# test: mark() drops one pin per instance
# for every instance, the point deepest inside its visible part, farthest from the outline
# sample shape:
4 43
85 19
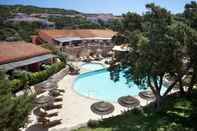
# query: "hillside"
12 9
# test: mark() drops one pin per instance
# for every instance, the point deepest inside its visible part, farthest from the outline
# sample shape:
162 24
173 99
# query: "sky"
117 7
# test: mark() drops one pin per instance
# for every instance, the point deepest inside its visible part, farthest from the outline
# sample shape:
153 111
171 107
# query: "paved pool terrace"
75 111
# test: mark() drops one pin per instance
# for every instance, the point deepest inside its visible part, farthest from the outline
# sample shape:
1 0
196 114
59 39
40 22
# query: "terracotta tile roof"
83 33
16 51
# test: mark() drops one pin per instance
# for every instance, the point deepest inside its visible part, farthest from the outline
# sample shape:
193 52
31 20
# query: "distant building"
21 55
22 17
96 17
74 42
46 15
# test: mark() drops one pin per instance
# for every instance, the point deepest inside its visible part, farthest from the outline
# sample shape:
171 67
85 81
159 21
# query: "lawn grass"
177 114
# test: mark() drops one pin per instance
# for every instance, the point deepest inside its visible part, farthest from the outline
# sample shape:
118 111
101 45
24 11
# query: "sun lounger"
52 106
86 59
100 56
91 58
36 90
58 99
61 90
81 58
96 58
57 103
51 111
40 112
49 122
55 93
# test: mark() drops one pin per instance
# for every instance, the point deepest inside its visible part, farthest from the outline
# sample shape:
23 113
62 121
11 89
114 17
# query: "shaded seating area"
46 111
48 102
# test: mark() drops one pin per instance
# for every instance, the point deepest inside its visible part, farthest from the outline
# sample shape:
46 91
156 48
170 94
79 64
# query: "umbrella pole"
102 117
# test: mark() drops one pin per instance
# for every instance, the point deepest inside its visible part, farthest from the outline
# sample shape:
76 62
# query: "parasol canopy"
128 101
44 100
147 95
102 108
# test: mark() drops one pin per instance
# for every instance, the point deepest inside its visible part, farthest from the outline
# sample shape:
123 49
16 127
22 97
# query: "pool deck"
76 108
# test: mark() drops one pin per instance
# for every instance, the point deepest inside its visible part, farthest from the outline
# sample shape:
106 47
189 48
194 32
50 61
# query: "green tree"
190 13
115 25
191 47
14 110
154 52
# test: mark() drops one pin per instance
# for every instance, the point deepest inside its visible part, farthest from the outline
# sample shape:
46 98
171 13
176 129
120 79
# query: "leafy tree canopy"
14 110
158 44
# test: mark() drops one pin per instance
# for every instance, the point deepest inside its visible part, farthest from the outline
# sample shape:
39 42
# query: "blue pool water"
97 84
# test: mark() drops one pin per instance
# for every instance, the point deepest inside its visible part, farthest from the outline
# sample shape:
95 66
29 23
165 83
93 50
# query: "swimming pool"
98 85
92 66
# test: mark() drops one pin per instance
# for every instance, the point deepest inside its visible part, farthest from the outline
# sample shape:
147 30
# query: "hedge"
36 77
16 84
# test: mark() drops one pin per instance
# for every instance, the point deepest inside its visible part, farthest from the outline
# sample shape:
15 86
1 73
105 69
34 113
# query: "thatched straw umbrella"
44 100
128 101
147 95
102 108
48 85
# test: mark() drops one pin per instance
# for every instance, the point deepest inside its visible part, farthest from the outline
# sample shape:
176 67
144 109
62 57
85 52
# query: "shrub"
43 75
36 77
16 85
93 123
13 110
137 111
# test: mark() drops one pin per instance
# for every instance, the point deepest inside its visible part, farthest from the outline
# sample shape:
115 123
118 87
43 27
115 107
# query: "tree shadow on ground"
36 127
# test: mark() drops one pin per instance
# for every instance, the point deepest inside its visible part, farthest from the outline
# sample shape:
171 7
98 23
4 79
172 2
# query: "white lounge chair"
91 58
100 56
